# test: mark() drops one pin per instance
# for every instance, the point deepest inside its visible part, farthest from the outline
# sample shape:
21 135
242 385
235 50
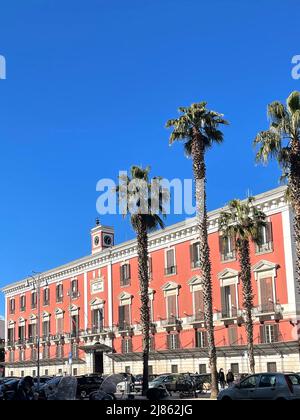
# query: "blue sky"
89 88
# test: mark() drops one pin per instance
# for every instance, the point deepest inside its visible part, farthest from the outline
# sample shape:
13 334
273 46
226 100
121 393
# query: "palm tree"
282 142
144 203
243 223
198 128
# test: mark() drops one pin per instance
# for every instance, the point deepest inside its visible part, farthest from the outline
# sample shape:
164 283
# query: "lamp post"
36 282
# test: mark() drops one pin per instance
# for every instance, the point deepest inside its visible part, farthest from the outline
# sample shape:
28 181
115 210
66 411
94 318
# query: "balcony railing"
228 256
171 322
195 264
59 299
93 331
229 313
268 308
124 326
198 317
262 248
46 302
171 270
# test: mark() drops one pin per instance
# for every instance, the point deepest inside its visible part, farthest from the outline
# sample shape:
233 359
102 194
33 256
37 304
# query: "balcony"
195 264
59 299
171 271
197 319
232 316
228 256
46 303
46 338
264 248
172 324
75 295
268 312
124 328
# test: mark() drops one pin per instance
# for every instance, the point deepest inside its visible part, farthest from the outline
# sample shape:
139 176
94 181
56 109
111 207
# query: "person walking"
230 378
221 378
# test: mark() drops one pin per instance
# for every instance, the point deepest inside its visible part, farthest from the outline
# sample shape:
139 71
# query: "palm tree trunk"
294 191
199 170
245 276
142 244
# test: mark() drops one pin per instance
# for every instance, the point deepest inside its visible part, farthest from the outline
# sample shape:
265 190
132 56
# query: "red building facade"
90 308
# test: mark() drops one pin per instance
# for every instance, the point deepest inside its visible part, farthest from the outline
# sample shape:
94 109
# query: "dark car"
87 384
8 388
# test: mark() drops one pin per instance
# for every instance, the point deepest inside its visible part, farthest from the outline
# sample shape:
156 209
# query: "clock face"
107 240
96 240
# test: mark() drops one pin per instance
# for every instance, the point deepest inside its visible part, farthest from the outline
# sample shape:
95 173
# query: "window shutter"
262 334
232 335
192 256
269 232
121 275
223 302
170 258
199 304
128 272
222 245
266 294
172 307
233 300
123 346
169 341
276 333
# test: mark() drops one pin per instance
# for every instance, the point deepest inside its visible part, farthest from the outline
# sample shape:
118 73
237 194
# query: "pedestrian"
25 389
229 378
221 378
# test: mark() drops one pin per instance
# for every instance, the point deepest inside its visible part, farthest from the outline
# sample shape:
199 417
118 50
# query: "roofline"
106 254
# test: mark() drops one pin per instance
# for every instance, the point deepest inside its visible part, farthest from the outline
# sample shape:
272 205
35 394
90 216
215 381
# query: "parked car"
87 384
264 386
168 381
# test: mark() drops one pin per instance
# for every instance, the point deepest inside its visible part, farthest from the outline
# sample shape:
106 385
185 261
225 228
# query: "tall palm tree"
144 203
198 127
243 223
282 142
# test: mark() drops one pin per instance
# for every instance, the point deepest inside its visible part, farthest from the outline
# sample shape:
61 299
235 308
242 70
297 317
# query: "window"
22 374
60 351
12 306
198 305
227 248
59 293
75 325
201 339
21 333
33 354
31 332
174 368
170 262
45 353
97 320
46 296
23 303
265 239
74 289
46 372
22 356
11 336
250 382
202 369
45 329
60 325
11 356
124 317
150 370
272 367
33 300
125 274
229 301
75 351
127 369
34 373
60 371
266 295
172 314
152 343
75 372
126 345
173 341
267 381
233 335
195 255
269 333
235 369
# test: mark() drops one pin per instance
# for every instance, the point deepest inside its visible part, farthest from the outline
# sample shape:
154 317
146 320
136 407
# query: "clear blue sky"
89 87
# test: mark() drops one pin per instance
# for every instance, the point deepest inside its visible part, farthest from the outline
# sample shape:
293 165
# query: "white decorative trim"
262 270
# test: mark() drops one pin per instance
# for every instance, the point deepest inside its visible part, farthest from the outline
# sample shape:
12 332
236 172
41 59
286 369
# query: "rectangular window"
269 333
126 345
173 341
59 326
59 293
11 336
266 295
60 351
227 248
23 303
46 372
174 368
97 320
172 309
265 239
198 305
170 261
235 368
150 370
45 353
124 317
75 372
271 367
202 369
21 333
201 339
127 369
33 300
195 255
31 332
125 274
74 289
229 303
45 329
33 354
12 306
75 325
11 356
22 374
46 296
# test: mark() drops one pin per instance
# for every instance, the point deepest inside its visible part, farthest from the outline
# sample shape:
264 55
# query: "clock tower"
102 237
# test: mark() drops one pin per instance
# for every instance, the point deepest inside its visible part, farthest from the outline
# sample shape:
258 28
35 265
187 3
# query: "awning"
97 347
